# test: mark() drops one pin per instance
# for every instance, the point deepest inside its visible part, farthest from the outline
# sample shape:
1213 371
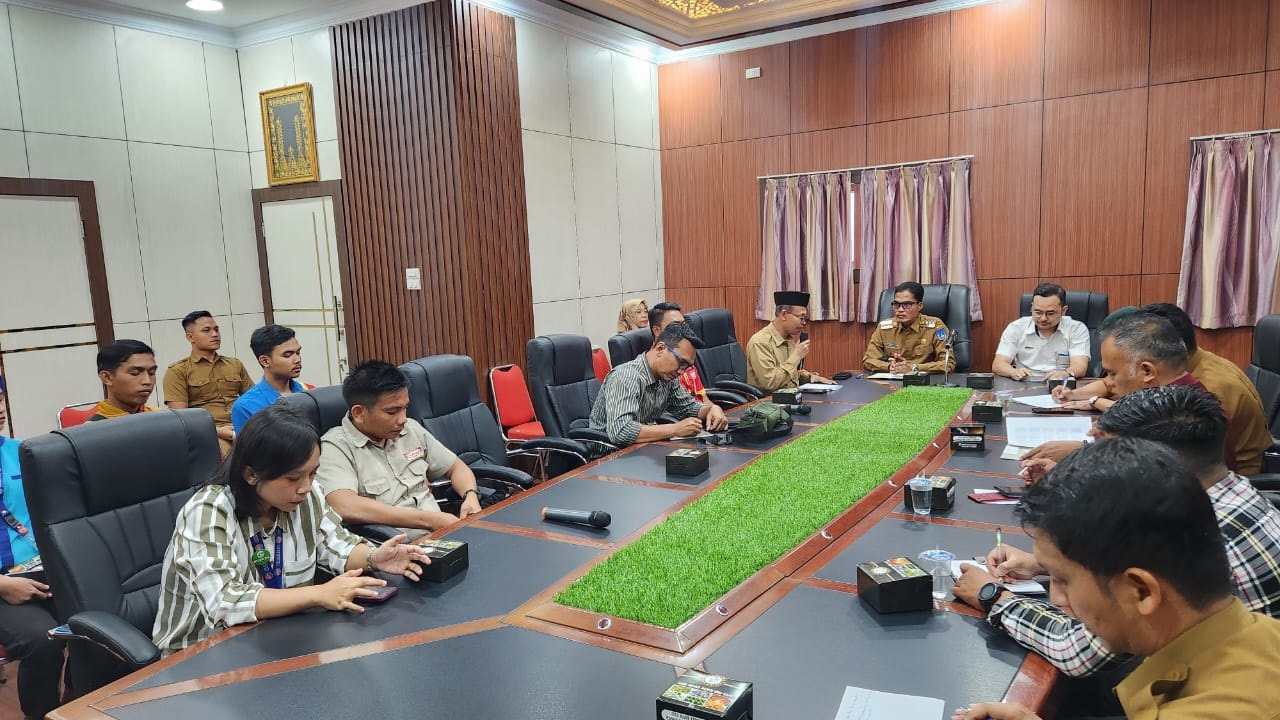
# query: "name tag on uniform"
886 324
930 323
891 345
413 454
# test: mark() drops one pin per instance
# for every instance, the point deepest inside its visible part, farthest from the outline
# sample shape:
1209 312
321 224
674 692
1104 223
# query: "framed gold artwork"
288 133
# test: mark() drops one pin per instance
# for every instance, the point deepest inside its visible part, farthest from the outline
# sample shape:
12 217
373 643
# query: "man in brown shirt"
206 379
127 369
910 341
776 353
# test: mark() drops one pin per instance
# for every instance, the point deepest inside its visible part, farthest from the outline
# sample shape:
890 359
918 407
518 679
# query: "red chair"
77 414
600 363
513 405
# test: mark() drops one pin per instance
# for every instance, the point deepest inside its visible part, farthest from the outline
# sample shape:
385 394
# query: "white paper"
1013 452
885 376
819 388
1030 431
1040 401
863 704
1021 587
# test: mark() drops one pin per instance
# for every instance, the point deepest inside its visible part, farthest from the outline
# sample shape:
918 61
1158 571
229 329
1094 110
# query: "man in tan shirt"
206 379
775 354
376 467
909 341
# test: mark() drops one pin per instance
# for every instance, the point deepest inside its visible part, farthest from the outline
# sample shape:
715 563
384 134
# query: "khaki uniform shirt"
1240 401
214 386
918 343
769 366
397 473
1228 666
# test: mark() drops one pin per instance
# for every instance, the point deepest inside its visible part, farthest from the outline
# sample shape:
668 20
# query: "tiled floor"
9 709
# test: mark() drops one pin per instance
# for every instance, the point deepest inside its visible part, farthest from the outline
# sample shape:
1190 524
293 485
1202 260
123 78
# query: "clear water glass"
938 564
921 489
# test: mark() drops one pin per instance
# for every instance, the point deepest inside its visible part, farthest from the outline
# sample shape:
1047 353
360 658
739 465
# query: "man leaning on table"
1031 346
775 354
910 341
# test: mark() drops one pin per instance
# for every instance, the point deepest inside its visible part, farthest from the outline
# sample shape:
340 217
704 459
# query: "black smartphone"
1052 411
383 593
1011 491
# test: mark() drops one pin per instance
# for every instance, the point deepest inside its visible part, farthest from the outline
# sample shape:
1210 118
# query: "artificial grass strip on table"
759 513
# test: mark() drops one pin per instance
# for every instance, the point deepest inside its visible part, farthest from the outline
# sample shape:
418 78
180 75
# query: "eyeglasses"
903 304
684 364
804 319
1047 314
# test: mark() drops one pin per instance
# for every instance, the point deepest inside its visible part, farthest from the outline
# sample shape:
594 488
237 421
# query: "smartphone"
1011 491
384 592
1053 411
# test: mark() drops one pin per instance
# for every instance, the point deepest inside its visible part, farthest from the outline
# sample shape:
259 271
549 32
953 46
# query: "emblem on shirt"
886 324
413 454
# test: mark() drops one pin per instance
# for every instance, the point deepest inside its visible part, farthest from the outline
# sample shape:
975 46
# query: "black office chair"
564 388
1264 372
721 360
627 346
1088 307
104 498
951 304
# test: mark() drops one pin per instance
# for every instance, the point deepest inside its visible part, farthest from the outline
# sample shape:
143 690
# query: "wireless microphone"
800 409
594 518
803 336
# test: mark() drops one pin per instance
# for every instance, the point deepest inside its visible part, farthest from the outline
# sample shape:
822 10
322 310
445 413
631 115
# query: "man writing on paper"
909 341
1033 345
775 354
1134 551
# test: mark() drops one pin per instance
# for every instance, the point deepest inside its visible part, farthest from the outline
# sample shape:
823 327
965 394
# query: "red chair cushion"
511 397
527 431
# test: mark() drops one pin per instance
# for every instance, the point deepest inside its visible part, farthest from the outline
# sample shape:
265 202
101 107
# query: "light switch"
753 73
413 278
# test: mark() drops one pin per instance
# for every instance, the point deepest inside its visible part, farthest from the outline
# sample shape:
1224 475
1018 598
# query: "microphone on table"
800 409
594 518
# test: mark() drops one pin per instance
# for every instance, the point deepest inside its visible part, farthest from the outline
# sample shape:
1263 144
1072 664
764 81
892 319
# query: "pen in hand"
999 553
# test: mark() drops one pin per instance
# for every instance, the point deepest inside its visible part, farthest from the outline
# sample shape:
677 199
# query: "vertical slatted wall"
432 168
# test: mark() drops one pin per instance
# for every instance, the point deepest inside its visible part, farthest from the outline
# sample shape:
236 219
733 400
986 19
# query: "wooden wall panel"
696 298
835 346
1191 39
689 102
830 149
907 68
1271 104
1178 112
741 163
692 217
1234 344
1273 36
901 141
1121 290
1159 288
741 301
1095 45
1004 182
427 98
997 54
1091 221
829 81
756 107
999 308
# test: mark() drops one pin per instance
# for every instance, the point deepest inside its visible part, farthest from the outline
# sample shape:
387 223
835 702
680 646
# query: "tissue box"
448 558
919 378
707 697
895 585
981 381
688 461
988 411
944 494
790 396
968 436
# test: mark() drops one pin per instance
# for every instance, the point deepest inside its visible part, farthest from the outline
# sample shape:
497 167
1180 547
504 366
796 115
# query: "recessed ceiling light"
204 5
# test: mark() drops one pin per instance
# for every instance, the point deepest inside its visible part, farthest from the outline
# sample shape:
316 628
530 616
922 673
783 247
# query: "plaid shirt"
632 396
1251 531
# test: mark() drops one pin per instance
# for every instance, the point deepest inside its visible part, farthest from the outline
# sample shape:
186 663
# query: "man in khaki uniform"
376 467
775 354
910 341
206 379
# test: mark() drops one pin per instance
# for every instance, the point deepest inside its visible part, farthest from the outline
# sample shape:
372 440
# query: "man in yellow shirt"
206 379
127 369
775 354
1133 550
909 341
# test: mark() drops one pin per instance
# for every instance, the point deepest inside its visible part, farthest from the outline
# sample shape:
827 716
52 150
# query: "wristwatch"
472 490
988 595
1092 402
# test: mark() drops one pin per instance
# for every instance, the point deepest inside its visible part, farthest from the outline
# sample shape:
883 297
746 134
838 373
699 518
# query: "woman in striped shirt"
246 546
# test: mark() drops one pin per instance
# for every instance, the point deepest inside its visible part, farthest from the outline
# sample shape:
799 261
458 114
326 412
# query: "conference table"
479 645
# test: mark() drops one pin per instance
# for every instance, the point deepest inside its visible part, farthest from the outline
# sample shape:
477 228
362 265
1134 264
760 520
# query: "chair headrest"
559 359
1266 344
627 346
1086 306
324 406
714 326
441 384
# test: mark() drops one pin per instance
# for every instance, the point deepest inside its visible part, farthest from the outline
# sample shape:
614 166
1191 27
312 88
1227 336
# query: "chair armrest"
553 444
1266 481
727 398
740 387
1271 458
589 435
115 635
377 533
519 478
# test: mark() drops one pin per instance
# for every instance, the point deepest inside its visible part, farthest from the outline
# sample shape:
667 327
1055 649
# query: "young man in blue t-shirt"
280 356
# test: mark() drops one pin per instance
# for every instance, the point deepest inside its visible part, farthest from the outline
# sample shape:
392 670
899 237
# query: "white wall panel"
244 279
542 64
166 95
140 331
239 328
638 218
10 112
590 91
40 383
258 168
326 155
600 318
226 102
262 67
595 191
36 230
313 63
633 101
562 316
549 193
13 152
67 74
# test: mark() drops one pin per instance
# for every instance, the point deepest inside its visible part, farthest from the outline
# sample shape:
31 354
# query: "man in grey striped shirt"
637 393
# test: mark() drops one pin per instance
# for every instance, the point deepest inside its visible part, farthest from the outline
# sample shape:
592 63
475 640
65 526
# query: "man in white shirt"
1030 346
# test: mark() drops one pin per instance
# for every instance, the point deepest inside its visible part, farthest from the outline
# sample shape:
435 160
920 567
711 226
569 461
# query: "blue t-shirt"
14 548
258 397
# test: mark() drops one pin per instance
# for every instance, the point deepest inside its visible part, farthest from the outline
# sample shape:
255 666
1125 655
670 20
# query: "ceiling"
659 30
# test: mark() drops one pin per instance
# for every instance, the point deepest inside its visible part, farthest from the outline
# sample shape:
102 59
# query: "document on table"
1021 587
1040 401
1013 452
1034 430
819 388
885 376
863 704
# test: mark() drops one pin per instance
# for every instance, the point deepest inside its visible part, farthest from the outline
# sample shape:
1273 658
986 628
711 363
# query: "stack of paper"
1021 587
1030 431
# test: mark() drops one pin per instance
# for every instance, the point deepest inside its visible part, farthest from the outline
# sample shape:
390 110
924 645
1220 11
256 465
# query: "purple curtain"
805 244
1230 242
916 226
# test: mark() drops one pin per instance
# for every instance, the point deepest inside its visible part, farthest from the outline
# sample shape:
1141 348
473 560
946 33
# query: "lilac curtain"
1232 237
916 226
806 244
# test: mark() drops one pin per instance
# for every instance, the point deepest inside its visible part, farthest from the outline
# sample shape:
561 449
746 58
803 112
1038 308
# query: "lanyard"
270 567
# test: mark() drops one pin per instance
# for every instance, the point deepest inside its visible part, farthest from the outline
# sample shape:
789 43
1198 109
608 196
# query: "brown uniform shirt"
769 364
1240 401
214 386
918 343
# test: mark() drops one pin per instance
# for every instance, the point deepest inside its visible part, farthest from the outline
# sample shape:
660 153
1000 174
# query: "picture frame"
288 135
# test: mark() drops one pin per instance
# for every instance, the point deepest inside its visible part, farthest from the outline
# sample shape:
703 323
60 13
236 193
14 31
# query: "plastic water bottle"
1062 361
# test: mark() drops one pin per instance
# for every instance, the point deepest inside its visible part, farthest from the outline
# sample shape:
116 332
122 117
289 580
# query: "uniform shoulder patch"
886 324
931 324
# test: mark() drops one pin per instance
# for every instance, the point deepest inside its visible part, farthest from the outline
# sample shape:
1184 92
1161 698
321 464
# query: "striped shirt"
209 582
1250 527
632 397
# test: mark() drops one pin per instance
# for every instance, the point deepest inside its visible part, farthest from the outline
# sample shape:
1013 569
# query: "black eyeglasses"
804 319
903 304
684 364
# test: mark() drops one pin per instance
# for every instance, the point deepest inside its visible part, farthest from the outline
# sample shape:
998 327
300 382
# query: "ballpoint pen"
999 547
